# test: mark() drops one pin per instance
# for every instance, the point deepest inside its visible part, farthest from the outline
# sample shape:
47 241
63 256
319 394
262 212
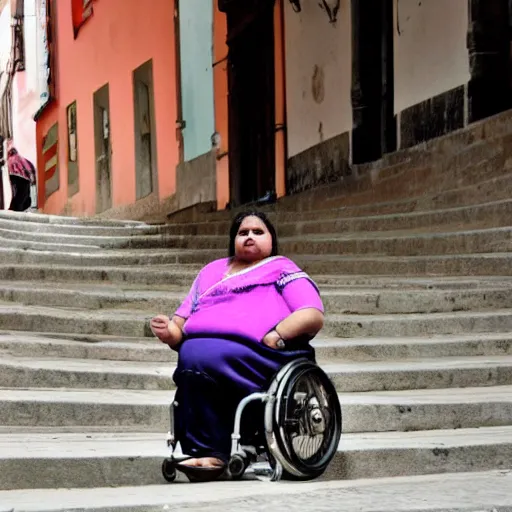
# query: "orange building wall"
119 37
220 84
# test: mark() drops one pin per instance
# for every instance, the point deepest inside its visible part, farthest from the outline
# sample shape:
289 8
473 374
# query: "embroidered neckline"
239 273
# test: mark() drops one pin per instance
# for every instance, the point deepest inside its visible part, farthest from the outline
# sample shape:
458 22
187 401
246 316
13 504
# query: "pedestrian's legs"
20 194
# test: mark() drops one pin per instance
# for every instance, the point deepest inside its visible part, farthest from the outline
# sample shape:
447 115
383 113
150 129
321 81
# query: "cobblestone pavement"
469 492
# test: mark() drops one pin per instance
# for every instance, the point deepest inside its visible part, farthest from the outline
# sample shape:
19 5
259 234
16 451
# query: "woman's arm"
306 316
307 321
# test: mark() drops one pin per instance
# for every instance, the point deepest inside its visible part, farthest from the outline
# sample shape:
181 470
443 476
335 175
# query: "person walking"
22 174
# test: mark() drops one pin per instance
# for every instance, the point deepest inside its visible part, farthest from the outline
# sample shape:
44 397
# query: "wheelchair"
302 424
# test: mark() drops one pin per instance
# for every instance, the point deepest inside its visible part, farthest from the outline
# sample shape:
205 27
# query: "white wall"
430 49
25 101
318 74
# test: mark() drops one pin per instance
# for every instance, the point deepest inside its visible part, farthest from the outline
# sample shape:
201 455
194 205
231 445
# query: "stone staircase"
418 337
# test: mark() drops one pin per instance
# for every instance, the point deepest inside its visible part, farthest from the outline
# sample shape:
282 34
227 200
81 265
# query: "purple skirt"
213 375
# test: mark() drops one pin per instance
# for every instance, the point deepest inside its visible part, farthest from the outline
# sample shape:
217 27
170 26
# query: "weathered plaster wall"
318 94
431 56
318 75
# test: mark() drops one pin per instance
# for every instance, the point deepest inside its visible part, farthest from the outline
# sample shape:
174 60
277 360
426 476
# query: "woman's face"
253 241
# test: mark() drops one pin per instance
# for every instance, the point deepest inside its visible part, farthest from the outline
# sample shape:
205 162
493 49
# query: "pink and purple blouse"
249 303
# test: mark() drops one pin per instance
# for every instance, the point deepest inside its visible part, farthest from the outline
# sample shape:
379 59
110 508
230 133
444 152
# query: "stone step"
86 296
96 240
135 323
24 372
491 214
121 348
483 264
452 264
60 460
360 300
38 218
110 258
23 228
487 191
44 267
457 492
57 246
155 275
168 277
404 244
414 324
435 173
425 373
27 372
392 243
148 411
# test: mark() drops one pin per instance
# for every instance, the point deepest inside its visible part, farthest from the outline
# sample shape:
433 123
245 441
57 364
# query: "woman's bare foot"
203 462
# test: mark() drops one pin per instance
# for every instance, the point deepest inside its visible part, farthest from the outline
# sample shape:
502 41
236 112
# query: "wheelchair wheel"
169 470
303 420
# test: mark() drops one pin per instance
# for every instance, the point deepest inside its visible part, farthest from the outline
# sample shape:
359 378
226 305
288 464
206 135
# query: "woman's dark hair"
235 226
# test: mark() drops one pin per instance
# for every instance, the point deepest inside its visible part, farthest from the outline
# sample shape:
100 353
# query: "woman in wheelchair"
245 317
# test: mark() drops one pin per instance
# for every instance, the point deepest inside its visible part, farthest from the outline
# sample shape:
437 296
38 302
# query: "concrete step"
404 244
463 264
171 275
493 214
414 324
449 372
39 218
7 243
360 300
148 411
108 348
490 214
135 322
8 225
24 372
96 240
487 191
87 296
392 243
490 491
398 242
60 460
483 264
109 258
122 348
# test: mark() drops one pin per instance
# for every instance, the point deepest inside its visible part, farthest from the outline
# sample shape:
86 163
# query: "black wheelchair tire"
307 471
169 470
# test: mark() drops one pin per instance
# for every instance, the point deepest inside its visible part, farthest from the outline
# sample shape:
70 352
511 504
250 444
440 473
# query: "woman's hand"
304 322
166 330
271 339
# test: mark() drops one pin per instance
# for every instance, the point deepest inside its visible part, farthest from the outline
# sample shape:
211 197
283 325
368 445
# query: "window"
72 150
72 142
81 10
